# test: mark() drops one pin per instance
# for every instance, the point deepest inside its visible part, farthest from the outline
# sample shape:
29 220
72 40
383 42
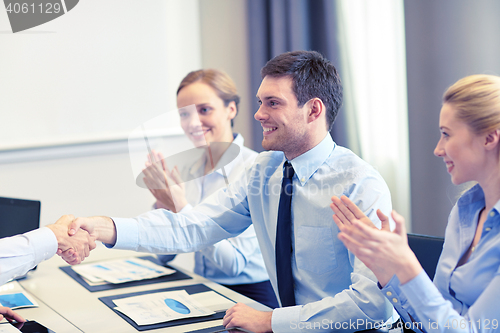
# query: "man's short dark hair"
313 76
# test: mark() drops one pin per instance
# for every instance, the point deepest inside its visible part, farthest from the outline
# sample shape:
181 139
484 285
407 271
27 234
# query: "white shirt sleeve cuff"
286 319
44 243
127 234
186 208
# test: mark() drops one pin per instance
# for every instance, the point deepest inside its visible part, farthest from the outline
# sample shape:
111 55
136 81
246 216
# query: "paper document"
213 301
161 307
12 295
121 270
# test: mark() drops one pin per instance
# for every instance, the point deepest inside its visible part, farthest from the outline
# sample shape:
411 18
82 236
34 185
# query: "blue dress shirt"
236 260
464 298
19 254
334 289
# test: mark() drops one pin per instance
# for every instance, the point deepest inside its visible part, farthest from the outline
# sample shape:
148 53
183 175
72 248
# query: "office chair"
427 249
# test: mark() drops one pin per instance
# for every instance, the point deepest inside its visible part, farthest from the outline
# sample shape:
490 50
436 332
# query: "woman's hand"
166 186
386 253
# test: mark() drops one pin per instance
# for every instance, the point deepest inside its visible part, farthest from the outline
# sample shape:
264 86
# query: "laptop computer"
18 216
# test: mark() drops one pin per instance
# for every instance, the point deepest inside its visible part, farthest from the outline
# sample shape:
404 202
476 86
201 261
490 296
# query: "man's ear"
316 109
492 139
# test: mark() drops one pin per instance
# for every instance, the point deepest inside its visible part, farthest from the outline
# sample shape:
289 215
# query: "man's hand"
99 228
77 246
166 186
243 316
10 315
102 228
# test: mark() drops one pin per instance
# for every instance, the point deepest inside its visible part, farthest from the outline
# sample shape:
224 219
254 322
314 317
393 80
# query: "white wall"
94 74
97 179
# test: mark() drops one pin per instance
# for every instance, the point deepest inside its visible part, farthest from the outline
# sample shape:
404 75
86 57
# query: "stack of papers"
120 271
161 307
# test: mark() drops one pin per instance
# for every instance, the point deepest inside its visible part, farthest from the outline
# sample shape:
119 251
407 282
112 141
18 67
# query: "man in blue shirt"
299 98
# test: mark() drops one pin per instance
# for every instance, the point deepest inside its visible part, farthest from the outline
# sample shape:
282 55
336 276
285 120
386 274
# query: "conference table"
65 306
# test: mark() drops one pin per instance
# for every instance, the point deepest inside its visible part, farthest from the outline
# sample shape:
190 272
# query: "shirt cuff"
397 298
419 289
127 234
186 208
286 319
44 243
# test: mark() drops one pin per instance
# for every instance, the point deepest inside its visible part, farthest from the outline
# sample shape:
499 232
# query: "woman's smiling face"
461 149
212 121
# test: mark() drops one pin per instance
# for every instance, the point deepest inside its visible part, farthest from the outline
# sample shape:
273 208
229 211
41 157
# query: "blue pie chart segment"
177 306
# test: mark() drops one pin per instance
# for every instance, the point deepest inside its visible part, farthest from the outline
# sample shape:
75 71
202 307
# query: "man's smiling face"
284 123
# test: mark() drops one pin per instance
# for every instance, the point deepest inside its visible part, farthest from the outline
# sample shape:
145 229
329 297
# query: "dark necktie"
284 239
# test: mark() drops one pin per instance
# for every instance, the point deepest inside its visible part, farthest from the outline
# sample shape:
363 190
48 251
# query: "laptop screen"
18 216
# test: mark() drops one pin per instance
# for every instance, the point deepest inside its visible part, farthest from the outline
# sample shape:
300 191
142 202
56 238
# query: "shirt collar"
198 168
306 164
476 195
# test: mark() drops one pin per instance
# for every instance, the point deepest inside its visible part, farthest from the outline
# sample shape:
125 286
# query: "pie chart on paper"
177 306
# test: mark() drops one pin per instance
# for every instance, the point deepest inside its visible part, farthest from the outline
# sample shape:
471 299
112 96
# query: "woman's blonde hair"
219 81
476 99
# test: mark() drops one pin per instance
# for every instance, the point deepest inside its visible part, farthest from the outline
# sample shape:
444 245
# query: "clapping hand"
384 251
166 186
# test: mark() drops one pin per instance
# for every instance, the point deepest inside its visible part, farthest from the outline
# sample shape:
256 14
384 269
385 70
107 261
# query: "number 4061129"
46 8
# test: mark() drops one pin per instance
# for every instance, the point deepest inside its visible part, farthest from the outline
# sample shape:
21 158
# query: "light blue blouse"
332 287
461 299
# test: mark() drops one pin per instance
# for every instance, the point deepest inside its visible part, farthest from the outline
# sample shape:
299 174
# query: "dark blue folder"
167 278
192 289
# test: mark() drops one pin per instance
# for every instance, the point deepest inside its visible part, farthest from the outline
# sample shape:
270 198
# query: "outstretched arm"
20 253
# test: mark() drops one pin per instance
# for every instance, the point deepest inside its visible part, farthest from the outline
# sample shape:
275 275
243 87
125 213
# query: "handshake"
76 237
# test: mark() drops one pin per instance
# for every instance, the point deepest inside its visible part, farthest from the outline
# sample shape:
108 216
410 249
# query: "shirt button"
388 293
492 214
394 300
487 229
303 179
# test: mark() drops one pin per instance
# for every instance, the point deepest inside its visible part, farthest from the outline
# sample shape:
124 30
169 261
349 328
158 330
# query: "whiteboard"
95 73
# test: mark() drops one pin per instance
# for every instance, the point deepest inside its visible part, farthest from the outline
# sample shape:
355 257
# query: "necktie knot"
288 172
